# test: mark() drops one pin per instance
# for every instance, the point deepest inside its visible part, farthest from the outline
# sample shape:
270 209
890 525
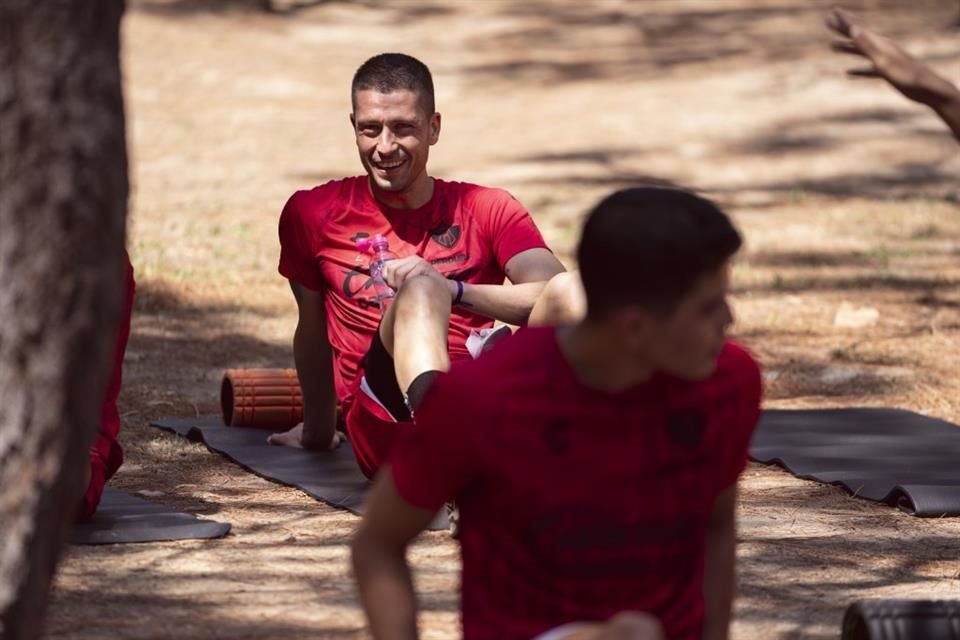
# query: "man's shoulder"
510 363
324 195
735 359
738 376
476 195
482 391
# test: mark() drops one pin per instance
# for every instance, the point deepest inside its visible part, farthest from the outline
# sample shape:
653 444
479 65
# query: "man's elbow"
723 521
560 302
724 514
309 338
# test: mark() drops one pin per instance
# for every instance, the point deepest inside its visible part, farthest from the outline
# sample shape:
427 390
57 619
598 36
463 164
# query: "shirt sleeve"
512 227
297 258
744 417
433 459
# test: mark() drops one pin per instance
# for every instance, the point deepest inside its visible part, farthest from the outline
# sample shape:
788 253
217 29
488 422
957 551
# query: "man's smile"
387 165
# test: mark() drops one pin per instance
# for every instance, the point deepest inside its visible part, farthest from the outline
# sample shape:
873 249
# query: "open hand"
887 60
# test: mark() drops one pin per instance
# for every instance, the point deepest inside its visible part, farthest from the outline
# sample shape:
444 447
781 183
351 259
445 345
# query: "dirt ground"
847 195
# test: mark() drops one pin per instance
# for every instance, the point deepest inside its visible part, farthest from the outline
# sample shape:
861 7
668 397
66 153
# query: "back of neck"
597 361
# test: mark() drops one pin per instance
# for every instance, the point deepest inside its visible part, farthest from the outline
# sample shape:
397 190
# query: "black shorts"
381 379
380 375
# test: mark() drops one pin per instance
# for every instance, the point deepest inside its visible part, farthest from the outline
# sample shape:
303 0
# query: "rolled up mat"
902 620
261 398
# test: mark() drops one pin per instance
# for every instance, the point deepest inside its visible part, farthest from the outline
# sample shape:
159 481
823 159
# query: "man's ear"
353 122
434 127
635 325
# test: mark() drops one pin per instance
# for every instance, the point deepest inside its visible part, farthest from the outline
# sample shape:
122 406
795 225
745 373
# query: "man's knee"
561 302
420 301
423 289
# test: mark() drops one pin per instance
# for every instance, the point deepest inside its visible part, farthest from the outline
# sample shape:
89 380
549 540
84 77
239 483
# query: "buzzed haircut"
388 72
648 247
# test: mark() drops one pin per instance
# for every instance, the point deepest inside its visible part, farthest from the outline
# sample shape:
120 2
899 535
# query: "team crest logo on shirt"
686 427
446 234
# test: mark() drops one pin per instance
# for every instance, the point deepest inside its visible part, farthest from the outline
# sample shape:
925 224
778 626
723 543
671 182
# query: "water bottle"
380 248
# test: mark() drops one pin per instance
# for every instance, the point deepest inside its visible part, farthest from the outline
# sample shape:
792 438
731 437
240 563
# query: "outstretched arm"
312 355
906 74
379 551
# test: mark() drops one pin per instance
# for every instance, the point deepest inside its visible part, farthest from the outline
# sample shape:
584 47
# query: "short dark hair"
648 246
388 72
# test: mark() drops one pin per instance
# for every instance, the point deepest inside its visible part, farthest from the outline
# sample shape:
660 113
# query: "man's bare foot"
294 438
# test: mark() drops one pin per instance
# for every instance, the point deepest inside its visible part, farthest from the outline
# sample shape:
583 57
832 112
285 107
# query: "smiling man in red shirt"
595 466
455 243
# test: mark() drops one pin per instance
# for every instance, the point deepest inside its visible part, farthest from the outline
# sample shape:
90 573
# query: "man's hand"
398 271
629 625
908 75
294 438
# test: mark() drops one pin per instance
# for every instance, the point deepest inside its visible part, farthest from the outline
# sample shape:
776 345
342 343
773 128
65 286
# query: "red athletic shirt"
466 231
576 504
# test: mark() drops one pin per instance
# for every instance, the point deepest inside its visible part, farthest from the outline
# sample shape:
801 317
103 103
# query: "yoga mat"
893 456
122 518
329 476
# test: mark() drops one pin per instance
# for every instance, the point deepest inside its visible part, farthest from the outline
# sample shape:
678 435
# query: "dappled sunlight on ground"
847 288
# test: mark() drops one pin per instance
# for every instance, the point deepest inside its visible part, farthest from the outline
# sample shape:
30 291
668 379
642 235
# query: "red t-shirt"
466 231
576 504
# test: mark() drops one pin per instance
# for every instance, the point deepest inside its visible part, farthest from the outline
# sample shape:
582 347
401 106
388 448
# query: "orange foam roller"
261 398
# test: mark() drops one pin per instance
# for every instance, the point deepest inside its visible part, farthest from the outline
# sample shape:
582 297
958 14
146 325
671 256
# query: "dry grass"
846 194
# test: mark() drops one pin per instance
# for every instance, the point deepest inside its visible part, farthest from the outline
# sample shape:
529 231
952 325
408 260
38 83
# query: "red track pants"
106 456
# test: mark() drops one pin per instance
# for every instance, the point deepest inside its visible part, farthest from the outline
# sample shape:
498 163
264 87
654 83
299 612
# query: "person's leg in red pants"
106 456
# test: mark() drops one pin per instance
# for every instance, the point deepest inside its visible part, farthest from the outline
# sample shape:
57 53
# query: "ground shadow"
636 40
284 8
176 356
928 285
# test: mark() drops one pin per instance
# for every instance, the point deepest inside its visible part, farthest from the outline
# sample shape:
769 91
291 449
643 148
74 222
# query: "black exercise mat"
894 456
332 477
902 620
123 518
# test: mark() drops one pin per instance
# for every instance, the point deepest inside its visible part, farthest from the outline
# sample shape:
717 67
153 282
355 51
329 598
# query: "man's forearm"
947 106
507 303
719 579
315 371
386 590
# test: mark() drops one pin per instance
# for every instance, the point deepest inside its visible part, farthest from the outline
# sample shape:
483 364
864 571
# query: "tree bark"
63 201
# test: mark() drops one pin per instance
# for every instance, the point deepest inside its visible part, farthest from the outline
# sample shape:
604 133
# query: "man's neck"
597 361
414 197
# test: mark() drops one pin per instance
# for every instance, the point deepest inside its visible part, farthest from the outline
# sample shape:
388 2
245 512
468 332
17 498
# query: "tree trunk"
63 201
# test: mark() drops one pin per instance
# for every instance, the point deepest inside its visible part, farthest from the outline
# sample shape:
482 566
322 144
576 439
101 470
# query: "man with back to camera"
455 243
595 466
